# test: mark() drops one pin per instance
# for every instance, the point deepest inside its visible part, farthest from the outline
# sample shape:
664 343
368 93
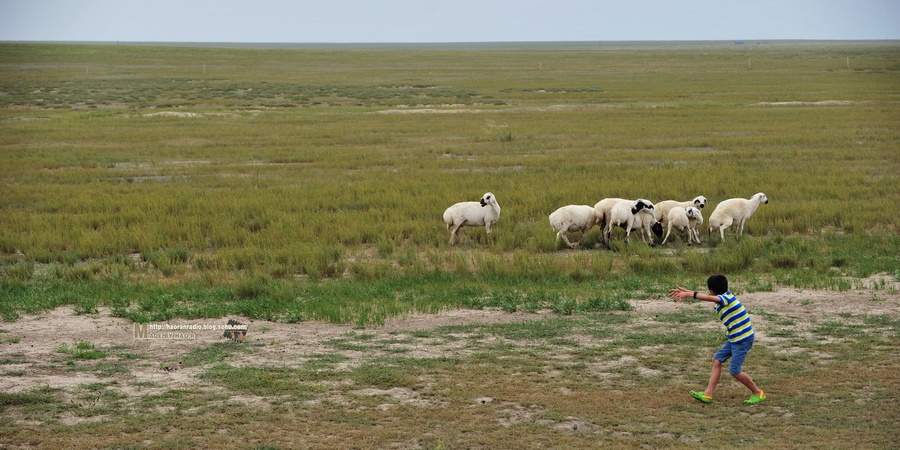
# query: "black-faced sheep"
684 220
572 218
734 211
622 214
647 223
472 214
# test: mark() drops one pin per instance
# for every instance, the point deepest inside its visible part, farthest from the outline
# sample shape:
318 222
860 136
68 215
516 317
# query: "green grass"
588 280
213 353
81 350
26 398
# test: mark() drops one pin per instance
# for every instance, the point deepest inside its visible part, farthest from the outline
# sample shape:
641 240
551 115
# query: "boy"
740 336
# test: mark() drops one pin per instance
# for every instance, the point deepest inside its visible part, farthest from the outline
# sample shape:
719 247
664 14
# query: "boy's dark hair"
717 284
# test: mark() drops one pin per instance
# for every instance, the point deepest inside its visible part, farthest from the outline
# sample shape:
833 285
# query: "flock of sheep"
610 213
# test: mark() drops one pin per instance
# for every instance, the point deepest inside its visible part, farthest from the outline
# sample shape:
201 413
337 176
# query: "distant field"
249 175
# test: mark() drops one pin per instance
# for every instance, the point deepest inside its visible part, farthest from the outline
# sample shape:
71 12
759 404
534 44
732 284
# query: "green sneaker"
701 396
756 398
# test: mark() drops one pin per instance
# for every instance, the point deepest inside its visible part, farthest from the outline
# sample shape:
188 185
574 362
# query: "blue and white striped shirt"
736 319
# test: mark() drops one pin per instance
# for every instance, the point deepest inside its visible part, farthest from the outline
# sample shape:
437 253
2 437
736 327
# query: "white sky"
391 21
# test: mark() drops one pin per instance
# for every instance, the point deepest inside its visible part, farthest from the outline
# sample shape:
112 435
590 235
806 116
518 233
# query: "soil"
31 344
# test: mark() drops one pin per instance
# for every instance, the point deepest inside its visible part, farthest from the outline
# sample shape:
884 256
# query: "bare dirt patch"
819 103
32 356
156 362
186 115
456 109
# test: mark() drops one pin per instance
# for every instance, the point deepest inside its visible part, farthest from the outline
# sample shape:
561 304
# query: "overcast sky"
407 21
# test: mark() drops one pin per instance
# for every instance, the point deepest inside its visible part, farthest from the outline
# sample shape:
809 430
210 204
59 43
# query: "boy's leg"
722 355
747 381
719 358
714 376
740 351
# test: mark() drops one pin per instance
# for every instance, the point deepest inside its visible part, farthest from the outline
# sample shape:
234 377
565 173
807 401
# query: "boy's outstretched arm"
680 294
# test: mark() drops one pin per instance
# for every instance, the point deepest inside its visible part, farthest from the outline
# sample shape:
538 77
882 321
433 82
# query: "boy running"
740 336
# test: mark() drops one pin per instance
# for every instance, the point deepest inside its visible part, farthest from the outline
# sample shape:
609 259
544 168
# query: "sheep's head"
700 201
641 204
657 229
762 198
487 199
694 214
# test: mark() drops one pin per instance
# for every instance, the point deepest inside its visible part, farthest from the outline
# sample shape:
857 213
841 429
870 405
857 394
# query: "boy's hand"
680 294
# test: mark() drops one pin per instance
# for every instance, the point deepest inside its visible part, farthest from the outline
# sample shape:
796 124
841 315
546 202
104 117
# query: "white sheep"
646 222
602 211
472 214
663 207
622 214
684 220
572 218
734 211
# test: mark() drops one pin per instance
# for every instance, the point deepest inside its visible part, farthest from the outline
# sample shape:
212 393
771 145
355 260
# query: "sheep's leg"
578 242
725 225
628 225
602 224
668 232
562 234
487 232
454 232
682 230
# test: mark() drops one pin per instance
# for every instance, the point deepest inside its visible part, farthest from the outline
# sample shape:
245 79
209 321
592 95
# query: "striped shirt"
736 319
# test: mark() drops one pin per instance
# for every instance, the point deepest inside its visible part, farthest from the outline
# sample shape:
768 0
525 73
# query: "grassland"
299 166
293 185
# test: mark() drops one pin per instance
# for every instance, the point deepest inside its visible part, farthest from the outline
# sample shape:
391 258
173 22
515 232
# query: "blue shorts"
737 351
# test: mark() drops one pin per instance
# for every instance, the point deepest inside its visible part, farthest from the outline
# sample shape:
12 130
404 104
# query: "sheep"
684 220
472 214
572 218
663 207
734 211
601 210
622 213
646 223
